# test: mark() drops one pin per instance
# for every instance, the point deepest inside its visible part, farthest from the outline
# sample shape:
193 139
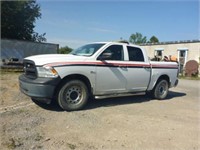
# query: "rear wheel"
73 95
161 89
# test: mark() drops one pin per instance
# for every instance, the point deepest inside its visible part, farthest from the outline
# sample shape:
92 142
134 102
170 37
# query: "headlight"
47 72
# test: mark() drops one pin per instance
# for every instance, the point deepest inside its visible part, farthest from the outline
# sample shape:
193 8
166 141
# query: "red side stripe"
109 64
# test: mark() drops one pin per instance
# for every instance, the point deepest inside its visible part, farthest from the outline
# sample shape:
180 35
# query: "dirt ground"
136 122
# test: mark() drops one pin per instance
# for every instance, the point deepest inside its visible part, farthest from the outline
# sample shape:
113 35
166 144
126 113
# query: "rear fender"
155 79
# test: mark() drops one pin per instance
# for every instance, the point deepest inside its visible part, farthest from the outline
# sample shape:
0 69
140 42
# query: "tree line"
136 38
18 22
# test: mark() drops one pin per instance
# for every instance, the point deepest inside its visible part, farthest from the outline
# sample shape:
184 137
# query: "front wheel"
161 89
73 95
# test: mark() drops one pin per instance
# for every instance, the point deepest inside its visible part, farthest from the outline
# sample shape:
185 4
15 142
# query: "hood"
54 58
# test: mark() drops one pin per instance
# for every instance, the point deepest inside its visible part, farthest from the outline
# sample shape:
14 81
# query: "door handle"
122 66
146 68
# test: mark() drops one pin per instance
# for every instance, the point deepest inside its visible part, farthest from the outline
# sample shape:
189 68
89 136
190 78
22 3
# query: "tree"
64 50
153 39
18 18
137 38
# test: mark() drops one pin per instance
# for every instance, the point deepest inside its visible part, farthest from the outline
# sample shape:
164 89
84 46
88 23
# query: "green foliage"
137 38
188 78
64 50
39 38
18 18
153 39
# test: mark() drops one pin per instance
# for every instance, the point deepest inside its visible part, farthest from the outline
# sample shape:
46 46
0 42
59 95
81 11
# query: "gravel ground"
136 122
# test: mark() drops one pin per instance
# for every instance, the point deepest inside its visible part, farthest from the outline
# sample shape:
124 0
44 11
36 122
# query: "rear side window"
135 54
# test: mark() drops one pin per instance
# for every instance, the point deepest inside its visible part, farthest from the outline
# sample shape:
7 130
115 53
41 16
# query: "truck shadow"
52 106
173 94
110 102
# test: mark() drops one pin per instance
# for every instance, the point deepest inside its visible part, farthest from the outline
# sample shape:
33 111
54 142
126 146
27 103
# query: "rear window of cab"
135 54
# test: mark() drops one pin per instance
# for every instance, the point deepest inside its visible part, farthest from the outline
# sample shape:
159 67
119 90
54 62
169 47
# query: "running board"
118 95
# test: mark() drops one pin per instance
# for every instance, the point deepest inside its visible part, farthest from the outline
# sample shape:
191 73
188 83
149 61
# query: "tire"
73 95
161 89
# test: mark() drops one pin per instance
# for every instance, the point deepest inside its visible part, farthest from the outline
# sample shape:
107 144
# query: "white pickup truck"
100 70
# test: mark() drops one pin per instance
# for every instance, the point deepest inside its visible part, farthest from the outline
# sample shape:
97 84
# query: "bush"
64 50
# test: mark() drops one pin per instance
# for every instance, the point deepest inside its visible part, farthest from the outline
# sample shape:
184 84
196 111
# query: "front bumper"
41 89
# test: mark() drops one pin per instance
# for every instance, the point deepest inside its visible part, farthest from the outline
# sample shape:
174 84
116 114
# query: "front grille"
30 69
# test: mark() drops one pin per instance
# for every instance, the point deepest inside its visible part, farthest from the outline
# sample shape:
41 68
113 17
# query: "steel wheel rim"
73 95
162 89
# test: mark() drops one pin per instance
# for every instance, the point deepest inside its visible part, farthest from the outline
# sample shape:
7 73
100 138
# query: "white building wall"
193 52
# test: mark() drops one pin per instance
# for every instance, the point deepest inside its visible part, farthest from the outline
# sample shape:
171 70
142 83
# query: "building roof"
171 42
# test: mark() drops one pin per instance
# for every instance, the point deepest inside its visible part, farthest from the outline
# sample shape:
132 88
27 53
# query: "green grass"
9 71
71 146
13 143
189 78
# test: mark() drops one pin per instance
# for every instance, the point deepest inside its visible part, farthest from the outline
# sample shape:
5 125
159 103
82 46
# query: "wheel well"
165 77
72 77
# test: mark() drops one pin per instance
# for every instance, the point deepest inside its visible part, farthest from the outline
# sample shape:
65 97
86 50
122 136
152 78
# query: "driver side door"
110 71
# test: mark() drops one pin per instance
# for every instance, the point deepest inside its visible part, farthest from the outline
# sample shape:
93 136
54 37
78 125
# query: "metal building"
13 51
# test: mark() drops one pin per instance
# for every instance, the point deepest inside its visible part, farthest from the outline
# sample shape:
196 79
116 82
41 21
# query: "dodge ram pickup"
99 70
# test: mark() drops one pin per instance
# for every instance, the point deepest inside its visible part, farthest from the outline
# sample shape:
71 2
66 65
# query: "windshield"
87 50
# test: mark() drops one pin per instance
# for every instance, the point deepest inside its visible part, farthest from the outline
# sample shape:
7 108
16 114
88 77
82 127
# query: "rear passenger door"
138 74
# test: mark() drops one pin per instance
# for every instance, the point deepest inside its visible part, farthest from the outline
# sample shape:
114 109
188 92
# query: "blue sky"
74 23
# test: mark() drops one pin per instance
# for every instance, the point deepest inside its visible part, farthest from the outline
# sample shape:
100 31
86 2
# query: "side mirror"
105 56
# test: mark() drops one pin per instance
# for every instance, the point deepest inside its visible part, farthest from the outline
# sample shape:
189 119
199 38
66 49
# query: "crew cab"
99 70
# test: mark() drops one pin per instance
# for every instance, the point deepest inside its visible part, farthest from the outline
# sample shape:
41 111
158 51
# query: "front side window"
113 52
87 50
135 54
